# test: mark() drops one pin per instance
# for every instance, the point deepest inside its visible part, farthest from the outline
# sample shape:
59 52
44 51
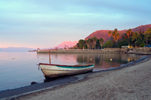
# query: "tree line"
135 39
91 43
117 40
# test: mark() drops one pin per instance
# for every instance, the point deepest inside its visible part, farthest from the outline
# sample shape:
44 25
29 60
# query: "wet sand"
129 83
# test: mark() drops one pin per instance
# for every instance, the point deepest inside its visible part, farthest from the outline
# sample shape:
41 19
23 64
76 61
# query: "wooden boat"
54 70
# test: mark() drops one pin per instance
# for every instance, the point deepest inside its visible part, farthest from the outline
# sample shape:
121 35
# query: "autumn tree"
115 35
129 32
109 33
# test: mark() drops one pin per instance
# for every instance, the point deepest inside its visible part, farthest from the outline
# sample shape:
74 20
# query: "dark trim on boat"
67 65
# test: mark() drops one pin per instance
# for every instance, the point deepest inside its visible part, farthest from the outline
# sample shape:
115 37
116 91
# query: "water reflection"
24 71
101 61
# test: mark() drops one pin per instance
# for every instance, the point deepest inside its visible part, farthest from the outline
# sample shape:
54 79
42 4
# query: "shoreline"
80 51
73 79
138 51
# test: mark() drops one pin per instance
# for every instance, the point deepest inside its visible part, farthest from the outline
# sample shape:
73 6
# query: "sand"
129 83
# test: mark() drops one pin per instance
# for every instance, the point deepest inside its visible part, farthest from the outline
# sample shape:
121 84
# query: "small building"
124 47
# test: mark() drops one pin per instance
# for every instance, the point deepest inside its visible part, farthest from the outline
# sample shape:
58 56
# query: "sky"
47 23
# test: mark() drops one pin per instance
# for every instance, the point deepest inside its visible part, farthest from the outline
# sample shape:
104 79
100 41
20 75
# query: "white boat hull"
51 71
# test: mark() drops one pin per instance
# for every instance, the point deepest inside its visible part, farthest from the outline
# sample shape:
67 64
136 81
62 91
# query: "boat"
55 70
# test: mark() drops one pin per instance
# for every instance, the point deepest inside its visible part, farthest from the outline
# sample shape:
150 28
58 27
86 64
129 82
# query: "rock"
32 83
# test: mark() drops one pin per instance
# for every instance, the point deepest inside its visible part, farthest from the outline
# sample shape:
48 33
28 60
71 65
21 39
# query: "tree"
115 30
138 42
108 44
81 43
115 34
101 40
124 36
136 38
91 43
129 32
147 36
109 33
141 34
98 44
88 43
123 42
94 39
85 47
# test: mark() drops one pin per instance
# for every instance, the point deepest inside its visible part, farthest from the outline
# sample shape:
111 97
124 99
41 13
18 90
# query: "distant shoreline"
140 51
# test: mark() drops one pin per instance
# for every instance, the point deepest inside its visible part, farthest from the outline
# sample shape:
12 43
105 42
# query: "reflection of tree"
85 58
99 60
119 60
81 59
91 58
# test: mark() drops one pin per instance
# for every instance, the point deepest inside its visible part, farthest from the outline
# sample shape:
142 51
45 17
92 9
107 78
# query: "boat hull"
51 71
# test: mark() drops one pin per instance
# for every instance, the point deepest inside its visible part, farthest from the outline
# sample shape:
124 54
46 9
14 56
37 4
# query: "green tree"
97 44
123 42
91 43
81 44
88 43
94 40
138 42
136 38
101 40
78 46
85 47
147 36
108 44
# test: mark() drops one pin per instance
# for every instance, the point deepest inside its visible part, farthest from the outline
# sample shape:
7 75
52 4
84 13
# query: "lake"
18 69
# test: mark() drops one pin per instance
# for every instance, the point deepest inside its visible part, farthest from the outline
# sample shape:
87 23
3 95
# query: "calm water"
19 69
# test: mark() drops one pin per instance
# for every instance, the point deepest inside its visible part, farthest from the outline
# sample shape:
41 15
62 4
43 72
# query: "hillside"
67 43
104 33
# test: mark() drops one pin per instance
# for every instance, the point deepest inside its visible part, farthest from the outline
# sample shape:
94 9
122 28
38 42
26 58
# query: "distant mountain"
15 49
104 33
67 43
